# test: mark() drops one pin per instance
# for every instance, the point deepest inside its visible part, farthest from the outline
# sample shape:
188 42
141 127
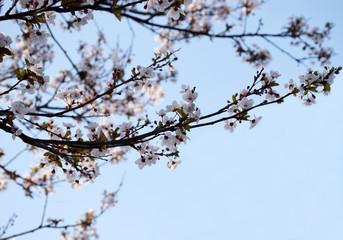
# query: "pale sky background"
282 180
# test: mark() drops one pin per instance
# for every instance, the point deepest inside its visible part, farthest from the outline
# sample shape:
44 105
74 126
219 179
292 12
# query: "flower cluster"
149 155
71 96
39 177
186 113
298 26
175 9
108 201
31 4
82 19
19 109
264 84
84 228
4 40
313 82
106 94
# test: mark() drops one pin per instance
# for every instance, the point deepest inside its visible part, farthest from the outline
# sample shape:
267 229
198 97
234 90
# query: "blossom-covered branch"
66 116
83 228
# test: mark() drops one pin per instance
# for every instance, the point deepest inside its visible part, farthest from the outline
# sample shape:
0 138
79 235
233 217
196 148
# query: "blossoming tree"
66 118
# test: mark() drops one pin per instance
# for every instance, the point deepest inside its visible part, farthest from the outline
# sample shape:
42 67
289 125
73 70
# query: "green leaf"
39 78
234 98
188 121
47 154
181 112
34 169
327 86
114 134
29 25
280 101
58 163
30 80
273 84
114 3
27 62
103 137
187 127
117 13
313 89
295 91
40 18
67 134
245 116
21 73
6 51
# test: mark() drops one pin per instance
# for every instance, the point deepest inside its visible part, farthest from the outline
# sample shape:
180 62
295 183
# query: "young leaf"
117 13
102 137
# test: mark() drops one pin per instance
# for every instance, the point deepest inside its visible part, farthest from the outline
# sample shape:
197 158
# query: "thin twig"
15 156
44 208
62 49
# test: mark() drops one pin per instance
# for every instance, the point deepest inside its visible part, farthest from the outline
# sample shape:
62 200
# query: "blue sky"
282 180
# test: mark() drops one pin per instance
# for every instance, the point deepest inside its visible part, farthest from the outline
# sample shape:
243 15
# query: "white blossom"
167 120
290 85
173 107
124 129
309 100
232 109
168 140
254 122
274 74
162 51
4 40
39 37
175 12
148 155
184 88
243 92
245 103
173 164
271 95
68 125
162 113
50 17
230 125
162 5
31 4
16 131
19 109
109 200
145 72
190 95
78 134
